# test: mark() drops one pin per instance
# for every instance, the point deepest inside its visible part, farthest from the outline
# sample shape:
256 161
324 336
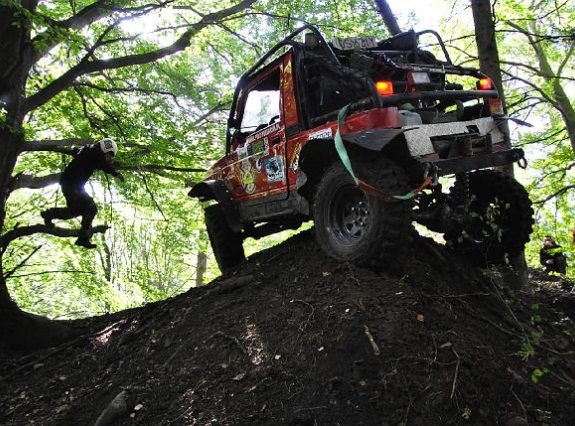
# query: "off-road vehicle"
354 134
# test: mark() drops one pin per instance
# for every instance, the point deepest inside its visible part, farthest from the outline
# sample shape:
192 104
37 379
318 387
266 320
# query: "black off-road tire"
499 220
356 227
226 244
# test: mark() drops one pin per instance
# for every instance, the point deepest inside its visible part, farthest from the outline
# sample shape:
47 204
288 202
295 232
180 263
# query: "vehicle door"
261 167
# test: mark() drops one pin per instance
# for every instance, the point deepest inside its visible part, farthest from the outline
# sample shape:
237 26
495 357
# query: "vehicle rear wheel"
226 244
360 228
498 222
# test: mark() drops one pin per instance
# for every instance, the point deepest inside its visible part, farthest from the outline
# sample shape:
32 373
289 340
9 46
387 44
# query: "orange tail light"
485 84
384 87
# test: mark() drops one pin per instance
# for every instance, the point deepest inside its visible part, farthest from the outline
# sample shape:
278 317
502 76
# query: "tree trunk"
18 329
486 44
489 64
201 265
25 331
388 17
551 76
489 56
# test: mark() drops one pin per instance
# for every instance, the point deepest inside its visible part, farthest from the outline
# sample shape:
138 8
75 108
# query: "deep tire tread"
226 244
388 235
516 222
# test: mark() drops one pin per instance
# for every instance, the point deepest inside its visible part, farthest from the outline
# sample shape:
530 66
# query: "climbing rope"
344 157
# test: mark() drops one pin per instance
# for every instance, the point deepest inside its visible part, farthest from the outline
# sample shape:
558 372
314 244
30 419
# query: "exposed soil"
295 338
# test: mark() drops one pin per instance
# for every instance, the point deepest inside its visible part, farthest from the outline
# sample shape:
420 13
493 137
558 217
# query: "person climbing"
551 256
78 203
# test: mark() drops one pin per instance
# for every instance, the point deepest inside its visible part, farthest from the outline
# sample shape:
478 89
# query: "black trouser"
78 203
560 264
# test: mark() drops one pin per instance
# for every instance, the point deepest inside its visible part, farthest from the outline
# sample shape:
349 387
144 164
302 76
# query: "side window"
262 105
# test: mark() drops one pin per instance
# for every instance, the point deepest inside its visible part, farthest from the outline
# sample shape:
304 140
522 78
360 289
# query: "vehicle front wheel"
361 228
226 244
498 222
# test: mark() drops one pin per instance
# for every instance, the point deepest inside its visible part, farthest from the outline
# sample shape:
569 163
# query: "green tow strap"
404 197
340 147
344 157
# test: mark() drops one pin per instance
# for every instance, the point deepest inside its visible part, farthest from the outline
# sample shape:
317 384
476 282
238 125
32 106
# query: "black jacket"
553 253
549 253
85 162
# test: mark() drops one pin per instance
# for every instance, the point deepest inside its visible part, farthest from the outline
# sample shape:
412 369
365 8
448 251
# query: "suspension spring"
460 196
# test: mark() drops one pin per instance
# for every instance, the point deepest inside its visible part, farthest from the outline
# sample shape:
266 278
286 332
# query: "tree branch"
9 273
69 271
37 182
151 194
567 60
555 194
63 146
535 87
33 182
155 168
547 139
128 89
85 17
533 69
87 66
24 231
216 108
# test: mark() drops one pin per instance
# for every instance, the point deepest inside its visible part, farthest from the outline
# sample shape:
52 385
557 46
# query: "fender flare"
217 190
370 140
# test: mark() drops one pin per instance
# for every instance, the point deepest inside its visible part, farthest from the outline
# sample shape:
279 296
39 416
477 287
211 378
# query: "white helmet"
108 145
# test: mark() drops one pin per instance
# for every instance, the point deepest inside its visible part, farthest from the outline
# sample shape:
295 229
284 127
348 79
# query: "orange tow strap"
389 198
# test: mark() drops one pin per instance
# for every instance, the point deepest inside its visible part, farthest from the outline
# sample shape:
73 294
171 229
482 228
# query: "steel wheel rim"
348 215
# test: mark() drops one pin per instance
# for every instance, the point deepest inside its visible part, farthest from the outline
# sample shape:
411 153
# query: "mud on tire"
356 227
226 244
499 220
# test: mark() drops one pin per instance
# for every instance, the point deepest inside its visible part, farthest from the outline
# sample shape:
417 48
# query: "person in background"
78 203
551 256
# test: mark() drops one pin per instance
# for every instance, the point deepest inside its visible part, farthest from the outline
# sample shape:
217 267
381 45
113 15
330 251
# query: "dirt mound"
295 338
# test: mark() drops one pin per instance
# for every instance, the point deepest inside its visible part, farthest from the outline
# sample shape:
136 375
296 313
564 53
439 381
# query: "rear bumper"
420 138
480 161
